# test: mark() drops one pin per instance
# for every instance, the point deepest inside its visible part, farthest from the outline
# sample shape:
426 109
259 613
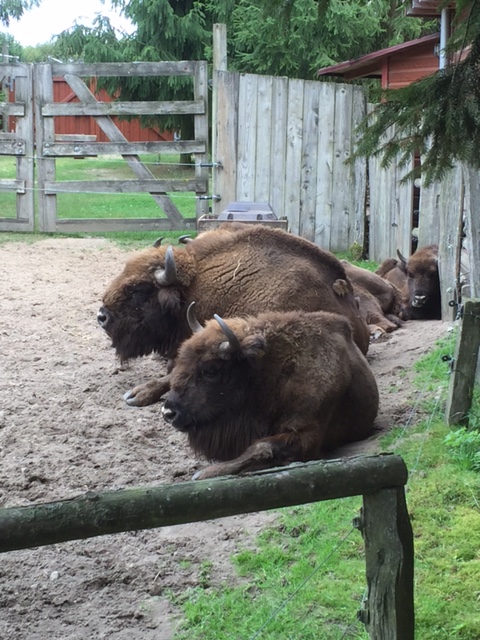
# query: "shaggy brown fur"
379 300
293 387
235 270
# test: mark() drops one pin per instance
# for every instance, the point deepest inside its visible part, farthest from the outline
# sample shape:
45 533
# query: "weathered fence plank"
293 160
309 161
389 556
126 186
89 148
139 108
116 69
462 381
247 137
95 514
263 152
325 187
278 144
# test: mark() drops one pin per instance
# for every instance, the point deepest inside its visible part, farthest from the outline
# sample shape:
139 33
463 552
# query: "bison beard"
238 269
265 391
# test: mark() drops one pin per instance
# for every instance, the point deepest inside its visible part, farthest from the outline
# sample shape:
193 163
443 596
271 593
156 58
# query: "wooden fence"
35 134
384 520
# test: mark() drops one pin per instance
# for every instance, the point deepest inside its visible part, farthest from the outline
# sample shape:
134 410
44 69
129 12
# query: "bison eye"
141 292
210 372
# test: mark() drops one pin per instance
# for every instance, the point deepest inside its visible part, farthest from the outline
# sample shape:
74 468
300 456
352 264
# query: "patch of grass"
108 205
291 587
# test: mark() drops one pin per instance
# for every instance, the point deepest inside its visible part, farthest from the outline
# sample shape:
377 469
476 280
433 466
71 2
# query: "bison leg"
148 392
266 453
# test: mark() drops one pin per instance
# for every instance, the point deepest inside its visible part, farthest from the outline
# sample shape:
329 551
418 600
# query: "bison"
265 391
419 282
237 269
379 301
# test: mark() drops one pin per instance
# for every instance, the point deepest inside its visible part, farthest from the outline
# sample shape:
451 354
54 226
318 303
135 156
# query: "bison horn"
185 239
230 335
401 258
157 242
193 323
169 274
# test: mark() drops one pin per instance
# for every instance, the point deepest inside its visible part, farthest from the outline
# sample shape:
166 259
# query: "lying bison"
265 391
235 270
379 301
419 281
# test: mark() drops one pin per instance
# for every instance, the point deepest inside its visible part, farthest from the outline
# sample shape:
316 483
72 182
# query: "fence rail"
384 522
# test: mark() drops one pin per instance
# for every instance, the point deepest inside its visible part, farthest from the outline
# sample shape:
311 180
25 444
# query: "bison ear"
254 347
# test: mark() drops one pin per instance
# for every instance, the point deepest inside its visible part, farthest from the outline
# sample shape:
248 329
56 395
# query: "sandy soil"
64 430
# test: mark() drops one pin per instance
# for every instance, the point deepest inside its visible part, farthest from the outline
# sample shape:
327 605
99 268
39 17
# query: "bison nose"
419 300
168 413
104 318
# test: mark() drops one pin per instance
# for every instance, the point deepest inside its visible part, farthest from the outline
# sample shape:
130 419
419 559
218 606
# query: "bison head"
423 283
209 383
143 308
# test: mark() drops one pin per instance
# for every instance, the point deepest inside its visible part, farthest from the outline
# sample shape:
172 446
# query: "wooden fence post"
460 390
389 612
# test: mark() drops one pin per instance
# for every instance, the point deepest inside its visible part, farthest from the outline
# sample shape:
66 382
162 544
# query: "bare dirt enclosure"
64 430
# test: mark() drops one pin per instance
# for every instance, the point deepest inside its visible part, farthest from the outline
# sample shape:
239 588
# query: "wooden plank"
278 146
247 137
74 225
115 135
359 170
325 188
126 186
12 148
200 91
226 126
79 148
403 211
18 186
94 514
75 137
293 161
472 227
263 147
309 160
12 109
450 210
342 207
140 108
120 69
44 132
462 380
219 64
389 557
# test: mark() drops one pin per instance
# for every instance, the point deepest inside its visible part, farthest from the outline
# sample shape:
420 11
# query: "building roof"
370 65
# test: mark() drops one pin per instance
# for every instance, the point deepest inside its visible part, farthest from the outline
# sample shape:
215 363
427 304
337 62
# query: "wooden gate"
18 144
34 139
49 148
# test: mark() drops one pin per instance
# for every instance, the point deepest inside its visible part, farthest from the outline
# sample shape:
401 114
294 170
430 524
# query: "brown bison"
379 301
264 391
236 270
419 282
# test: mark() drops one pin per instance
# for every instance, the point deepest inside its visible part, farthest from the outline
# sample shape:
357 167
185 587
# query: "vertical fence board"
278 146
403 212
45 134
309 160
294 154
200 92
357 226
225 150
263 159
247 143
325 187
462 381
472 227
389 556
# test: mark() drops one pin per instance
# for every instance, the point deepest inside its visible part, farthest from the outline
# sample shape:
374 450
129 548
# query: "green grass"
291 586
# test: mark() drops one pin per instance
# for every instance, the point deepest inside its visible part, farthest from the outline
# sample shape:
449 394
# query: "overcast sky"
53 16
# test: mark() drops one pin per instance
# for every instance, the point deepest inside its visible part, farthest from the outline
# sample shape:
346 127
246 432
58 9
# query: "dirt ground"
65 430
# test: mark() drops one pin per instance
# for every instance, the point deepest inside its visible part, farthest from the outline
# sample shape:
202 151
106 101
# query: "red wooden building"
395 66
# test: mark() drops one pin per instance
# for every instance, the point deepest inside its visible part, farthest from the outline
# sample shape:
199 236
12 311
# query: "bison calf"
265 391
